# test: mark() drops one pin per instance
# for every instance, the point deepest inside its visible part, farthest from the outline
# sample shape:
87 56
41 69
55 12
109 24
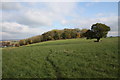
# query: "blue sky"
93 8
25 19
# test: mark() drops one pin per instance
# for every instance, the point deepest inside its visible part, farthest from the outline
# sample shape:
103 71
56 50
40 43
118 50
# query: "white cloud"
15 28
44 16
12 30
10 6
36 18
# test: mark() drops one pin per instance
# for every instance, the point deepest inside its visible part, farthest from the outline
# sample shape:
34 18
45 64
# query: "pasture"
71 58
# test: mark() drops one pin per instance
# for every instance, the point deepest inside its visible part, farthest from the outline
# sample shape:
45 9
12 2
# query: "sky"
22 20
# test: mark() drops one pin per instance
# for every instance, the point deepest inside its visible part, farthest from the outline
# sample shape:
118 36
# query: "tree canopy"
55 35
97 31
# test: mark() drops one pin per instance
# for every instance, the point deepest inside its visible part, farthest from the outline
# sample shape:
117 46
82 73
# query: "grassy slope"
73 58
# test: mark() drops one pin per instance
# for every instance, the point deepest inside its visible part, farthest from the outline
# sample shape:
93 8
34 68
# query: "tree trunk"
98 39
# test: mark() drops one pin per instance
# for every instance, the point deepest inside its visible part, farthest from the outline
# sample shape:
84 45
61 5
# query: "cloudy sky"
21 20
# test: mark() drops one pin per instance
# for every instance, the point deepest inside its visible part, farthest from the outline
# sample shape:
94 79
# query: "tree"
56 35
82 32
97 31
66 34
17 45
78 35
22 42
29 41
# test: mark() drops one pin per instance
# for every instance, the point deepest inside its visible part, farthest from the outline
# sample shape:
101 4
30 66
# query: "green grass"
72 58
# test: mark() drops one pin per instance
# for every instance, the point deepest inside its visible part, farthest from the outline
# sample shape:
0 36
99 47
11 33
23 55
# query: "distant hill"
10 39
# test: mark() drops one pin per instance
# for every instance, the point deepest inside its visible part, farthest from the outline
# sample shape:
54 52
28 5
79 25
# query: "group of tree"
55 35
9 44
97 31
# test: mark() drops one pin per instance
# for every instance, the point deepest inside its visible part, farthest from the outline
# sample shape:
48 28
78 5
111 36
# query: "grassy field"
72 58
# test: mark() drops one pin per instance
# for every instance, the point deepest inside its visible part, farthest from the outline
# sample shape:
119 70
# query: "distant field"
72 58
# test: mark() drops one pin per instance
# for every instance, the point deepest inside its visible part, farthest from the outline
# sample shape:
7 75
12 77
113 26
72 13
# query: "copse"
97 31
55 35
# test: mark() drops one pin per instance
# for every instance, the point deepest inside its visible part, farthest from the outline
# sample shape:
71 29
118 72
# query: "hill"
71 58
